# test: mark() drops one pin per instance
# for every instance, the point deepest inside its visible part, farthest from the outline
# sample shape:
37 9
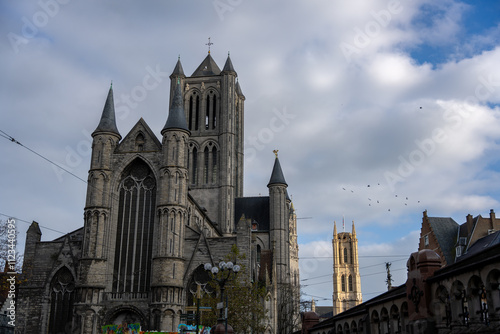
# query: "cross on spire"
209 44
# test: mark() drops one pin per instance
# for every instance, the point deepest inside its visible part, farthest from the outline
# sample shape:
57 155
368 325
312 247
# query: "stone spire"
176 116
334 229
108 121
228 66
178 71
277 174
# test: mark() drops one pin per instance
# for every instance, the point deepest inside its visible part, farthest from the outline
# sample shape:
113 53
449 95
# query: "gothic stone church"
156 210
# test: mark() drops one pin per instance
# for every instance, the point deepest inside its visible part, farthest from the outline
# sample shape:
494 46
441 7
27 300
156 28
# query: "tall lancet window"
206 166
134 237
194 111
214 165
62 295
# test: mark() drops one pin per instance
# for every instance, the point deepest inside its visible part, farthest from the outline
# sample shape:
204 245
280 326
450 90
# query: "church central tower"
346 280
214 106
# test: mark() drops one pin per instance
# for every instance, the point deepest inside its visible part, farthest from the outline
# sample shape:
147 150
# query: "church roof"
445 231
228 66
238 90
277 174
176 116
207 67
178 71
108 121
254 208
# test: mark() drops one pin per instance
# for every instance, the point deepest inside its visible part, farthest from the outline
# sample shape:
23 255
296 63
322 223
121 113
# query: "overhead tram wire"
27 222
12 139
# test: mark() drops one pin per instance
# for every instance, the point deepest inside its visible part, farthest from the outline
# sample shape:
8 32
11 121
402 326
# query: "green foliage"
246 311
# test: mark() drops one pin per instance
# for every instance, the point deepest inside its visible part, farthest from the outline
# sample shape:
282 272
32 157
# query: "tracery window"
62 295
134 238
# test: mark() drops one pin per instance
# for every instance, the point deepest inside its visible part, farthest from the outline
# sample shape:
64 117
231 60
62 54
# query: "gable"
139 139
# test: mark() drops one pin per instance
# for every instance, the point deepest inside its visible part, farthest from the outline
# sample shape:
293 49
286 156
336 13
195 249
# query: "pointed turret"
277 174
334 229
353 230
238 90
176 116
108 120
207 67
178 71
228 66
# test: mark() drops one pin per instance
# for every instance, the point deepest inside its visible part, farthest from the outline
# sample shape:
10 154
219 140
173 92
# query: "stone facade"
346 279
155 211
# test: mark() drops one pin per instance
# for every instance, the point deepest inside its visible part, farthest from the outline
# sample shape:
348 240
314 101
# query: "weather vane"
275 153
209 43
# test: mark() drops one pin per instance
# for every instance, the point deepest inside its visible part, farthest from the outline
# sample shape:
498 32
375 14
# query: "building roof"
176 116
238 90
254 208
277 174
207 67
481 244
178 71
108 121
228 66
445 231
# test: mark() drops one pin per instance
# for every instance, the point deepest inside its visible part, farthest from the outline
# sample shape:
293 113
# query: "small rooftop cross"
209 44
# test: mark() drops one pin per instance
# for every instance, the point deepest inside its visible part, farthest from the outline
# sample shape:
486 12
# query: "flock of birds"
373 195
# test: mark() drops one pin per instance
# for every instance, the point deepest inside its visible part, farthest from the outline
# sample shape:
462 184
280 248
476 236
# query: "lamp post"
226 268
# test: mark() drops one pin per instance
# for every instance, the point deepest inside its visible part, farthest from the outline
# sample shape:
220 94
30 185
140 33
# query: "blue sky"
399 95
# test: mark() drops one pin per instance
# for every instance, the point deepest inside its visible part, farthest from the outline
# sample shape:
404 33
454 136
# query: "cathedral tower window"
343 282
133 247
194 165
345 255
194 111
214 165
207 113
206 166
350 282
62 296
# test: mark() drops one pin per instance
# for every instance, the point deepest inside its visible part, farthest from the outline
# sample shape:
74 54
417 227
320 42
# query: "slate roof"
482 244
277 174
207 67
445 231
108 121
178 71
228 66
254 208
176 116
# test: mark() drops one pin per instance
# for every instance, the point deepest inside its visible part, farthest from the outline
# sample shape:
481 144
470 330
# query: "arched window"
342 279
350 282
345 255
139 142
206 166
194 111
207 113
194 165
134 233
214 165
214 112
62 297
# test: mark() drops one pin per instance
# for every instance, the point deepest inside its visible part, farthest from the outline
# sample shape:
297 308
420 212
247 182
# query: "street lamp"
226 268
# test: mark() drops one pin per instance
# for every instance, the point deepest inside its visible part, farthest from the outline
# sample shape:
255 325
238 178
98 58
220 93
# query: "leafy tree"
245 299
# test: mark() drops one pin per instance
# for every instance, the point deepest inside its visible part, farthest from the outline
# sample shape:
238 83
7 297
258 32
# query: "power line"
25 221
12 139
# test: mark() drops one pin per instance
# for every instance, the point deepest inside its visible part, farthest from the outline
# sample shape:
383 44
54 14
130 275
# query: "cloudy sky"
380 109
